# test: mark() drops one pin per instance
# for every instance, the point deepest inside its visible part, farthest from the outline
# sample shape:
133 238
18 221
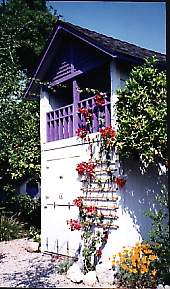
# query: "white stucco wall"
60 185
59 159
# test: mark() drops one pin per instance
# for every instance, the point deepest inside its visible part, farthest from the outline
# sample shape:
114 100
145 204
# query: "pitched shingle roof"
109 45
113 45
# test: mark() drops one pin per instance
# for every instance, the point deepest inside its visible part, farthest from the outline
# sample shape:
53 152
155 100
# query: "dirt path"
20 268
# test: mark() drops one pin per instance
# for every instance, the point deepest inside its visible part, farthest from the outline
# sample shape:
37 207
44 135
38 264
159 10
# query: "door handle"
60 205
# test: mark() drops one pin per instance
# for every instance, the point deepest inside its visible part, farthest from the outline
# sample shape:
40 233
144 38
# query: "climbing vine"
100 182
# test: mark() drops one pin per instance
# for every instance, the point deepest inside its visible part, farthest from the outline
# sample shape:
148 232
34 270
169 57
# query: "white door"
63 186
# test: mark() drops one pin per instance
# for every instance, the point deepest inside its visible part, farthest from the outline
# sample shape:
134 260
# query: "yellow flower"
113 263
152 257
134 271
134 263
125 267
154 272
144 260
143 269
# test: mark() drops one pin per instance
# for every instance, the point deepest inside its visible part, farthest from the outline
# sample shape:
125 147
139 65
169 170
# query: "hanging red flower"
78 202
105 237
86 112
74 225
99 99
99 252
108 132
81 168
120 181
82 132
91 209
87 168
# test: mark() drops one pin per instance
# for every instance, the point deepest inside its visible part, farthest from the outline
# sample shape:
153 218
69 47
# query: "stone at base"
160 286
32 247
105 274
74 273
90 278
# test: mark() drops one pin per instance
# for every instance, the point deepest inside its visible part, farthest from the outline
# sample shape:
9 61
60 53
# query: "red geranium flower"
108 132
87 168
99 99
78 202
120 182
82 132
91 209
99 252
81 168
74 225
105 237
86 112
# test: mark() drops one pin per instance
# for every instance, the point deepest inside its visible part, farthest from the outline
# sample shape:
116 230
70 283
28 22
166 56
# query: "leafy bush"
11 228
142 114
64 265
26 208
34 234
159 235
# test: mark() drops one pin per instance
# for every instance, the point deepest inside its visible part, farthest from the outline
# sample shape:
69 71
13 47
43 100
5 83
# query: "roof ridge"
111 38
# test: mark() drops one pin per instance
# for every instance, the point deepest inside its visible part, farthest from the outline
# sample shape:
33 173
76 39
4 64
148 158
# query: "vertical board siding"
74 59
62 122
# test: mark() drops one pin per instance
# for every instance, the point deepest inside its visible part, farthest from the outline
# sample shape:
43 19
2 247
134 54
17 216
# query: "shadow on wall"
139 194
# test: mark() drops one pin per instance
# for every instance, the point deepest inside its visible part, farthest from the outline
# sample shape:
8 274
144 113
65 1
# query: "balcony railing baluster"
60 121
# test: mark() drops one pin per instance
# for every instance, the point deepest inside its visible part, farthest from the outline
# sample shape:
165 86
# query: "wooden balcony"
63 122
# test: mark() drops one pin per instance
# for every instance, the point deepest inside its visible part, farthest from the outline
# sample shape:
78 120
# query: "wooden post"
115 83
76 99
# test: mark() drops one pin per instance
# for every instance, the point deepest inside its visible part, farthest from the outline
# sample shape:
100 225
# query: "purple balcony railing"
60 122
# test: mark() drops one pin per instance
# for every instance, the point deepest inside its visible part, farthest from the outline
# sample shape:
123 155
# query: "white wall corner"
44 108
115 84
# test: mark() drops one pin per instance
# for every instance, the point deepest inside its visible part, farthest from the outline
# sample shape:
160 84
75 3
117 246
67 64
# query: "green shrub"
11 228
64 265
26 208
159 235
34 234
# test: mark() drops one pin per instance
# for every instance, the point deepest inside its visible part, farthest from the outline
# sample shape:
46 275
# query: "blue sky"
141 23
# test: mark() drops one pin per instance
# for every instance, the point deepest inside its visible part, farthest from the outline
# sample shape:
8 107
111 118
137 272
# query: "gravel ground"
20 268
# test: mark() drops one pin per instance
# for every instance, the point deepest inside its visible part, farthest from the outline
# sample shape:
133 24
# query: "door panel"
63 186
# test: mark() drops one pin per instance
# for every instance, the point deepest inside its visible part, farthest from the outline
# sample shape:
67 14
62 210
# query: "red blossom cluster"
86 112
99 252
82 132
74 225
105 237
99 99
108 132
91 209
87 168
78 202
120 181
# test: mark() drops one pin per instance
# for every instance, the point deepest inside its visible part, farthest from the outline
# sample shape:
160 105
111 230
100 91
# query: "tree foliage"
142 114
24 29
29 24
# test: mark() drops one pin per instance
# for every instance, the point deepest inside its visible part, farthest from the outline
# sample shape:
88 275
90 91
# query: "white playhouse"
76 59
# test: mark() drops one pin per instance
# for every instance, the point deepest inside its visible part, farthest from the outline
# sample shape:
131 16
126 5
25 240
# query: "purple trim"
72 75
115 54
95 118
76 98
107 114
63 122
39 66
